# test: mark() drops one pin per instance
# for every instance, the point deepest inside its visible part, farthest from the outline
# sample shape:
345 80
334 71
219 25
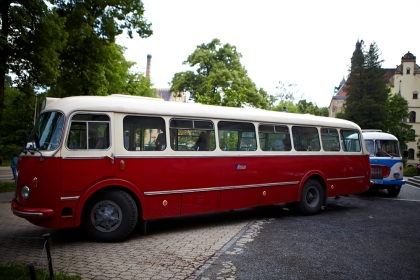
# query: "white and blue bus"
385 160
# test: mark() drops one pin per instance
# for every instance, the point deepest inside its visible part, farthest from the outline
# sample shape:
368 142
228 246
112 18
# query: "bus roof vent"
371 130
48 101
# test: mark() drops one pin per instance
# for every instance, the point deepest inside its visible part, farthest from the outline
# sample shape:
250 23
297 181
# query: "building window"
412 116
410 153
408 70
415 94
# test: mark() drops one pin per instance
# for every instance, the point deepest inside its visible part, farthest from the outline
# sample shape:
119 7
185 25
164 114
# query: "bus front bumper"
31 213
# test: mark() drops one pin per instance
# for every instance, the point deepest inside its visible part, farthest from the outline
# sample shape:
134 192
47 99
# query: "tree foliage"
285 97
397 107
219 78
92 64
17 122
367 89
31 39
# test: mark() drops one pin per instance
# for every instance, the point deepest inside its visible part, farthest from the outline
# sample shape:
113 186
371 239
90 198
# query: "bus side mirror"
405 154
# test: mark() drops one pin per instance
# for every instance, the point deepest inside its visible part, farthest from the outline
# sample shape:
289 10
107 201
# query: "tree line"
62 48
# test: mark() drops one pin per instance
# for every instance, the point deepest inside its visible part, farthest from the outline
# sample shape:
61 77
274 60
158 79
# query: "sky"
307 43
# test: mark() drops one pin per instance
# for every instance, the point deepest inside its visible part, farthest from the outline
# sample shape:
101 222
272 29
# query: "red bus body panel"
175 186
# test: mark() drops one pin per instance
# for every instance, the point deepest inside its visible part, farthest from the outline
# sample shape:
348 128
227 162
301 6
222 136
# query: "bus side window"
143 133
330 139
274 138
89 131
237 136
350 140
192 135
306 138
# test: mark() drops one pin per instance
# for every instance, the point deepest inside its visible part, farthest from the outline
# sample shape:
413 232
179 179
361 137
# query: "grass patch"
17 271
7 187
6 163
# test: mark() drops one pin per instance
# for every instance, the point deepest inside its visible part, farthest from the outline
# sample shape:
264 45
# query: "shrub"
410 171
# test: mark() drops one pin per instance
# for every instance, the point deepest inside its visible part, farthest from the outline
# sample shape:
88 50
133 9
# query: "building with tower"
406 83
403 80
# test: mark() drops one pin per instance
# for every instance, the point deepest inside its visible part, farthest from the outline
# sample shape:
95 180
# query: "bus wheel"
393 191
110 216
312 198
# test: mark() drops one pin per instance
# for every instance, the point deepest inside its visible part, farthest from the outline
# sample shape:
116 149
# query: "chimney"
149 59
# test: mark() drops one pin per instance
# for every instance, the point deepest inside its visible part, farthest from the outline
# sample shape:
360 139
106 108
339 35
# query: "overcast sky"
307 43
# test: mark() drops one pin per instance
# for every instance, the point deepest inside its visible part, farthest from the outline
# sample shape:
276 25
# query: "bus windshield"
387 148
48 129
383 148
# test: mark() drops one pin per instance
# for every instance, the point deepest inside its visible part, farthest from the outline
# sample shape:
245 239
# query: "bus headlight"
25 192
396 175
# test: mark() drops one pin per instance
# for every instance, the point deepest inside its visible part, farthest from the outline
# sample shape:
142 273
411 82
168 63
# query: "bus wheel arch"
312 196
110 215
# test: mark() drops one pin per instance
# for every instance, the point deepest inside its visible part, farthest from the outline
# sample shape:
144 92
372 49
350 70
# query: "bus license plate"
376 172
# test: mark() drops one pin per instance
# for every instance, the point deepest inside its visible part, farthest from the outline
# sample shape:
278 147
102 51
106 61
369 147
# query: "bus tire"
311 198
110 216
393 191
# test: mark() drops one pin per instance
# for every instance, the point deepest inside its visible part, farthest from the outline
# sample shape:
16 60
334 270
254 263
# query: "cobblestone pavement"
173 249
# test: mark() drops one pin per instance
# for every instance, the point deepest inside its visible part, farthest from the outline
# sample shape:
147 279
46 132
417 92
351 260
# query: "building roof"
164 93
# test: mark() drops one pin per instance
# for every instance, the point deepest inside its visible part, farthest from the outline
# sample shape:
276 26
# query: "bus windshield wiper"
391 156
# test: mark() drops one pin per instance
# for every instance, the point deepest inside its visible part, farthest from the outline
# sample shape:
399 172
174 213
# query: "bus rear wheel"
312 198
110 216
393 191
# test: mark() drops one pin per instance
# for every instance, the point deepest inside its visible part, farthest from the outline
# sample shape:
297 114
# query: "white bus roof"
374 135
155 106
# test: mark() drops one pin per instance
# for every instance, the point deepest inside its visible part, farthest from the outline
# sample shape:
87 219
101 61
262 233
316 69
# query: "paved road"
368 236
361 236
6 174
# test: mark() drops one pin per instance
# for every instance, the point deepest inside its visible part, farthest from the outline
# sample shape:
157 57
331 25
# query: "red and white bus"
109 162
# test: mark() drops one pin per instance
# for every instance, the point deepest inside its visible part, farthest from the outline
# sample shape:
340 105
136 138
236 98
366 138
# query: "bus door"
239 169
87 154
194 166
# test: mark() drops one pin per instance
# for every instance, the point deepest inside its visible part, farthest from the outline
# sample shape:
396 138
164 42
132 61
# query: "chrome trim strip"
29 214
196 154
84 157
221 188
347 178
69 198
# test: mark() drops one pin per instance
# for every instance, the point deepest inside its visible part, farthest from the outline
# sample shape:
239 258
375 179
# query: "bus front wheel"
312 198
110 216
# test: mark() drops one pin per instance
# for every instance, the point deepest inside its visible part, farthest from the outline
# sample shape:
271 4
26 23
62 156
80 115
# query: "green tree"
286 106
17 122
31 39
397 107
91 55
138 84
310 108
367 89
219 78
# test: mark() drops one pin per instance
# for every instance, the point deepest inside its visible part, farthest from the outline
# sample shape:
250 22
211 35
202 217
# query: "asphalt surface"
368 236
